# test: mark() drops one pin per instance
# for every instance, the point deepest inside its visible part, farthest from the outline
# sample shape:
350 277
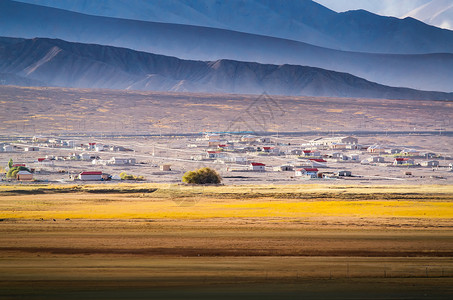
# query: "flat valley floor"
246 242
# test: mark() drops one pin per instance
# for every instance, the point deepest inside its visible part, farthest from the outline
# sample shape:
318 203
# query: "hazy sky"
396 8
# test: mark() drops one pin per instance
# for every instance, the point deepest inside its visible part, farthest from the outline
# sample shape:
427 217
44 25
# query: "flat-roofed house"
430 163
24 175
307 172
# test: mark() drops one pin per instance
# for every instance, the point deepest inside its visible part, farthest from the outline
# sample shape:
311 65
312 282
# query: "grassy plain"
216 242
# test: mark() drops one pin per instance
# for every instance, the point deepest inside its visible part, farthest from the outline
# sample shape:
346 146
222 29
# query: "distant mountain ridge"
59 63
298 20
424 71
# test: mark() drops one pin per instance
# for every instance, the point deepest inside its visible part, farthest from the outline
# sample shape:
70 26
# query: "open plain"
174 242
383 233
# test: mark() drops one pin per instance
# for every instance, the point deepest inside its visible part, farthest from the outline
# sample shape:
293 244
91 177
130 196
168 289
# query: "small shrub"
125 176
202 176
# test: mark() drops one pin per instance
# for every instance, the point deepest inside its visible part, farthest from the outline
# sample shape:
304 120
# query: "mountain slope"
60 63
436 12
299 20
425 72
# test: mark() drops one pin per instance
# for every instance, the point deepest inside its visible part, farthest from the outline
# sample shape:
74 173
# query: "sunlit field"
192 242
187 202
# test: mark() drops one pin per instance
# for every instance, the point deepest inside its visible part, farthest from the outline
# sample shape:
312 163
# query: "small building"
378 159
24 176
393 151
239 159
249 138
212 154
8 148
105 176
410 152
376 149
122 161
31 148
297 152
348 140
430 163
40 139
327 175
403 161
91 176
284 168
428 155
86 156
307 172
254 166
312 153
344 173
165 167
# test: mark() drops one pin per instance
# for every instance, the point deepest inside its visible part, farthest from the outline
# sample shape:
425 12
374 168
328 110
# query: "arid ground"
84 111
174 242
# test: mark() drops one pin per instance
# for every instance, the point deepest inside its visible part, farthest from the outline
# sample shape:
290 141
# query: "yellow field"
185 202
149 241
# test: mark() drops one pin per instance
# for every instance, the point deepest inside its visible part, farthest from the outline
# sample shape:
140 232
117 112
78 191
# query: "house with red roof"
254 166
90 175
399 161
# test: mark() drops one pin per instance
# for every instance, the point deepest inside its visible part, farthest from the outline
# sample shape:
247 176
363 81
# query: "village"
240 158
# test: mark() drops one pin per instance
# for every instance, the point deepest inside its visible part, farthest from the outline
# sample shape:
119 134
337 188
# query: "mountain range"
438 13
297 20
427 71
53 62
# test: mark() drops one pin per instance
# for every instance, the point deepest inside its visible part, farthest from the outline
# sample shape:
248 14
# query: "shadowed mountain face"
424 71
59 63
298 20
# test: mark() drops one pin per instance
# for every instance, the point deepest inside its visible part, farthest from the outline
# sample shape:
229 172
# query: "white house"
85 156
376 149
8 148
122 161
430 163
31 148
378 159
94 175
254 166
284 168
403 161
307 172
393 151
334 140
410 152
344 173
311 153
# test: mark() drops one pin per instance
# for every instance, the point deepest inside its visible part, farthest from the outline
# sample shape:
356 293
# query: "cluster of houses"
76 145
309 157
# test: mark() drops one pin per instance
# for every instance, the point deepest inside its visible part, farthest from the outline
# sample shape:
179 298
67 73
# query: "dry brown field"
249 242
35 110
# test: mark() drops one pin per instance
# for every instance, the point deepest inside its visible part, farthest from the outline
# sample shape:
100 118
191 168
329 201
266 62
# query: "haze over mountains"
51 62
303 20
423 71
242 46
434 12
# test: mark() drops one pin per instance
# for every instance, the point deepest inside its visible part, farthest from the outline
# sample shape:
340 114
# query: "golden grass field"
216 242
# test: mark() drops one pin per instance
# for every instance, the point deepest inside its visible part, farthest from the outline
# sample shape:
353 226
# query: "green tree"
202 176
12 173
10 163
